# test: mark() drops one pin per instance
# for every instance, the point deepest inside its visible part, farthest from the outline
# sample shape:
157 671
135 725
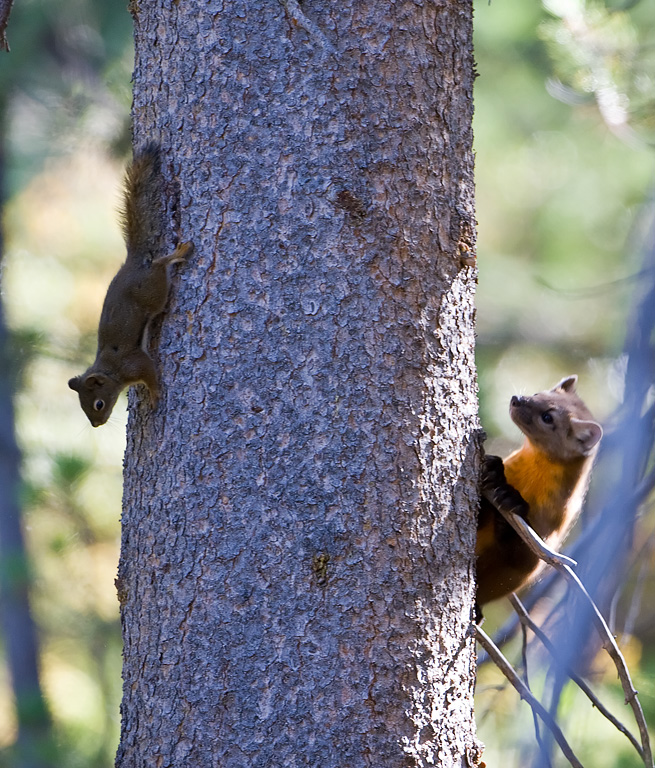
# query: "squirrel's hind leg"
139 367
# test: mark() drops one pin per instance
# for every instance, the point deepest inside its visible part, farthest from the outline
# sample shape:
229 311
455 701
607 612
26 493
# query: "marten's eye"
547 417
98 405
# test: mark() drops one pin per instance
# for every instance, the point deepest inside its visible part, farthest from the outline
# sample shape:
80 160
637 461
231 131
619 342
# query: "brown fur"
141 216
137 293
550 472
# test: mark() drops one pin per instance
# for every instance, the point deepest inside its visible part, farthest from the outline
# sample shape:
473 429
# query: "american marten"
544 481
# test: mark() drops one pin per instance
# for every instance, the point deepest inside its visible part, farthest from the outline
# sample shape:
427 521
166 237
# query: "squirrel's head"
98 394
557 422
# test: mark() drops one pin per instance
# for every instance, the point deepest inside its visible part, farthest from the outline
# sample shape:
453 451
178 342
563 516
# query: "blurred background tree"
564 126
64 102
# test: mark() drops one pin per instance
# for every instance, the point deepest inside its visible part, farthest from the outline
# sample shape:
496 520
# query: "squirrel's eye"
99 405
547 417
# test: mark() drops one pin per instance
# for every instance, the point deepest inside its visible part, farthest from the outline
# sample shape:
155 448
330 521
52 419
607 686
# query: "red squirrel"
137 293
544 481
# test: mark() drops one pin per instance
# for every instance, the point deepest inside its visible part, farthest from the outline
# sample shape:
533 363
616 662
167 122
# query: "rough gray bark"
299 514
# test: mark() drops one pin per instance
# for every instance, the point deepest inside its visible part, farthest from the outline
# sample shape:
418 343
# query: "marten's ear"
75 382
587 433
567 384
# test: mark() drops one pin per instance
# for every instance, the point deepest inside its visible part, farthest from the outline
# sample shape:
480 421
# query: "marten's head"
557 422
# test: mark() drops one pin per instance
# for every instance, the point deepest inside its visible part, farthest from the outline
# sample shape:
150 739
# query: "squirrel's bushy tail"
142 214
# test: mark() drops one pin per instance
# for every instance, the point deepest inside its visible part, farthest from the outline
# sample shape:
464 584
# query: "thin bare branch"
533 541
5 10
526 694
582 544
526 621
526 680
561 563
609 643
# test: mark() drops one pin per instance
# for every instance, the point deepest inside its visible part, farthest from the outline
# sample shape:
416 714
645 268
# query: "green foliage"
65 93
609 55
561 196
558 196
66 80
68 471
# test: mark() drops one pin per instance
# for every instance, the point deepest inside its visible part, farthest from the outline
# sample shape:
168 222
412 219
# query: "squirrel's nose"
516 401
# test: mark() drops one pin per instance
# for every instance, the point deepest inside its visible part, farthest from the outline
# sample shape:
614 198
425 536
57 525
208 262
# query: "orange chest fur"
553 490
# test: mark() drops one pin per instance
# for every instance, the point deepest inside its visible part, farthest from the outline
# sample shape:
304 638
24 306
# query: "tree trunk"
299 513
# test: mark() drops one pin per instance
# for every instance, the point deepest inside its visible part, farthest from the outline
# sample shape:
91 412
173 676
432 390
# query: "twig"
526 680
524 692
561 563
534 542
609 644
526 621
5 10
580 545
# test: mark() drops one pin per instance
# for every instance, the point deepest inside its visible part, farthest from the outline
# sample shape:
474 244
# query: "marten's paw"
492 472
496 488
508 499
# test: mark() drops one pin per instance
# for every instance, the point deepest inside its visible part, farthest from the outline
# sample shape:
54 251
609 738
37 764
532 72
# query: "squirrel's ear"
74 383
95 380
567 384
588 433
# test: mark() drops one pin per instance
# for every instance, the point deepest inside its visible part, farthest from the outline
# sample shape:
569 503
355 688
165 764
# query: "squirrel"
544 481
137 293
